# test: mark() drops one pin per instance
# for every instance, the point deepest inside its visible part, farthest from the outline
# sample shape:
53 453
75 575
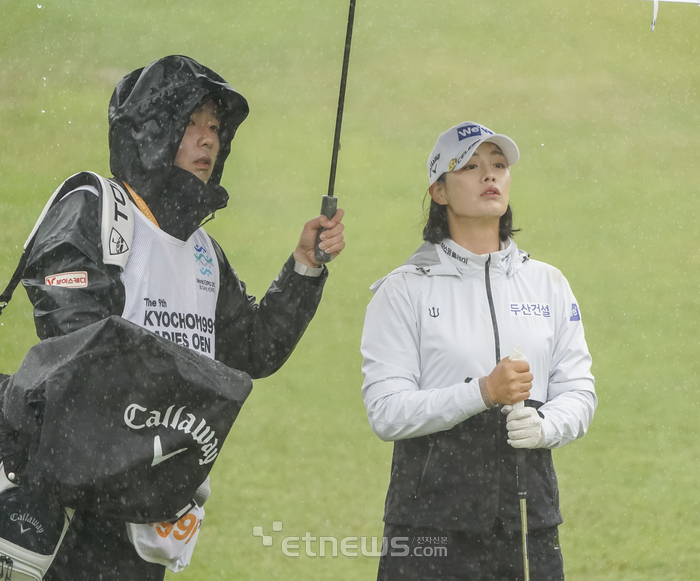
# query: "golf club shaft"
523 521
521 483
521 478
330 202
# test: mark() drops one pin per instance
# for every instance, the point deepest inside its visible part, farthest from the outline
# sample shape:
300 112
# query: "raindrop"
43 111
39 6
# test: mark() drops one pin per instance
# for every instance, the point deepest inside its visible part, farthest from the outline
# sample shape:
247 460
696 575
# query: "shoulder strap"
117 223
116 218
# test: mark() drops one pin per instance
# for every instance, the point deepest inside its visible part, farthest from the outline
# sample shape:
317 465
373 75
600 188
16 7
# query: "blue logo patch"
575 313
203 261
468 131
472 131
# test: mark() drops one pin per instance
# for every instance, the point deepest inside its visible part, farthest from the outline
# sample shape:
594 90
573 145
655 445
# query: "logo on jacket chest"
434 312
530 310
204 261
205 264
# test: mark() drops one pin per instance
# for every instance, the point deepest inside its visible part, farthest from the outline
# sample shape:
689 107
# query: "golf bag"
117 421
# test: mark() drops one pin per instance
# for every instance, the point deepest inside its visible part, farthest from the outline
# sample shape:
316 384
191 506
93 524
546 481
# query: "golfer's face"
480 189
200 144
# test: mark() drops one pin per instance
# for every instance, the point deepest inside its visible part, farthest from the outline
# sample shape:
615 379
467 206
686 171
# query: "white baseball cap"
455 147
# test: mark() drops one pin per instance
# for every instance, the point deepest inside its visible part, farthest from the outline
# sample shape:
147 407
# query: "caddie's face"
480 189
200 144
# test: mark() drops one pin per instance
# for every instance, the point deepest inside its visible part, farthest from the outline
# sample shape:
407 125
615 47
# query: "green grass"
606 115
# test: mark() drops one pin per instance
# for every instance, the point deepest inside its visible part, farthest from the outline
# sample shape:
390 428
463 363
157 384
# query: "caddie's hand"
509 382
332 239
525 427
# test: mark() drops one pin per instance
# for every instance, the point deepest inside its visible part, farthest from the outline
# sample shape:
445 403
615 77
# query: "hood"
439 260
148 114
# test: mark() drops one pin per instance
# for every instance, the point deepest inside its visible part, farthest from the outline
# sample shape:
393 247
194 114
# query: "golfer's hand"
332 239
525 427
509 382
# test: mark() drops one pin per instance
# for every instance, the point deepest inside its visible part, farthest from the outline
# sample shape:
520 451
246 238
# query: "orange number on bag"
186 525
163 529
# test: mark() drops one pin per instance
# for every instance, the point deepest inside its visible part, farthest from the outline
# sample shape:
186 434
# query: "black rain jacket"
148 115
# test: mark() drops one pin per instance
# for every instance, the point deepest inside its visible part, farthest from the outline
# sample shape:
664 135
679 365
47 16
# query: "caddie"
171 124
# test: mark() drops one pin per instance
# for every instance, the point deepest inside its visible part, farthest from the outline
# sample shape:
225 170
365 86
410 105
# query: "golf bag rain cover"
115 420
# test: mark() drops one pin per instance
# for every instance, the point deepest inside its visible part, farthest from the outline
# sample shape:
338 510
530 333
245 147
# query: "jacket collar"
450 259
468 263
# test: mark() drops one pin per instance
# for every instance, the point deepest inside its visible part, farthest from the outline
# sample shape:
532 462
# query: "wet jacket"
434 327
148 115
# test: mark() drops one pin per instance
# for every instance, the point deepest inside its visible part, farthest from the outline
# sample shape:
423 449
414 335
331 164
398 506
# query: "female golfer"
440 385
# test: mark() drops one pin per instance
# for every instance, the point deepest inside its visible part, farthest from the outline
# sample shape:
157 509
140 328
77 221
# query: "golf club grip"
329 206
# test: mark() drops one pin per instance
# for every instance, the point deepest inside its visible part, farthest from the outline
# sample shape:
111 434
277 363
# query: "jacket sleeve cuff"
309 271
485 393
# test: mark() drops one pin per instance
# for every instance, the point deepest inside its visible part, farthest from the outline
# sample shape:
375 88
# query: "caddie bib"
172 286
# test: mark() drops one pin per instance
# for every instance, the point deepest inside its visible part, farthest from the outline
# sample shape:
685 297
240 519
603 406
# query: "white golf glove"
525 427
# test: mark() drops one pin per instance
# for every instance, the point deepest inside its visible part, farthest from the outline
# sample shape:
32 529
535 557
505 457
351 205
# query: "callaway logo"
138 417
117 244
204 262
433 163
30 520
158 452
68 279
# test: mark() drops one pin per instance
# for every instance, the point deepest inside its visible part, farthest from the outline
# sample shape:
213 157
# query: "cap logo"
433 163
465 152
453 162
467 131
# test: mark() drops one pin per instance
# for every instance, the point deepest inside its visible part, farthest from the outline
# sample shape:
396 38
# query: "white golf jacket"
444 319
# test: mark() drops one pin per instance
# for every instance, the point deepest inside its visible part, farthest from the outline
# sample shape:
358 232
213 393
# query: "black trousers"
98 549
425 554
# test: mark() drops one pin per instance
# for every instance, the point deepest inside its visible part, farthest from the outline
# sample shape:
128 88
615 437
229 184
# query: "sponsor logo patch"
117 244
203 260
28 519
68 279
465 152
530 310
467 131
433 163
138 417
575 313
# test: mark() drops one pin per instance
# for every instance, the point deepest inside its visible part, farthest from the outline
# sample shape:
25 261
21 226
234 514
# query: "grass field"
606 115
